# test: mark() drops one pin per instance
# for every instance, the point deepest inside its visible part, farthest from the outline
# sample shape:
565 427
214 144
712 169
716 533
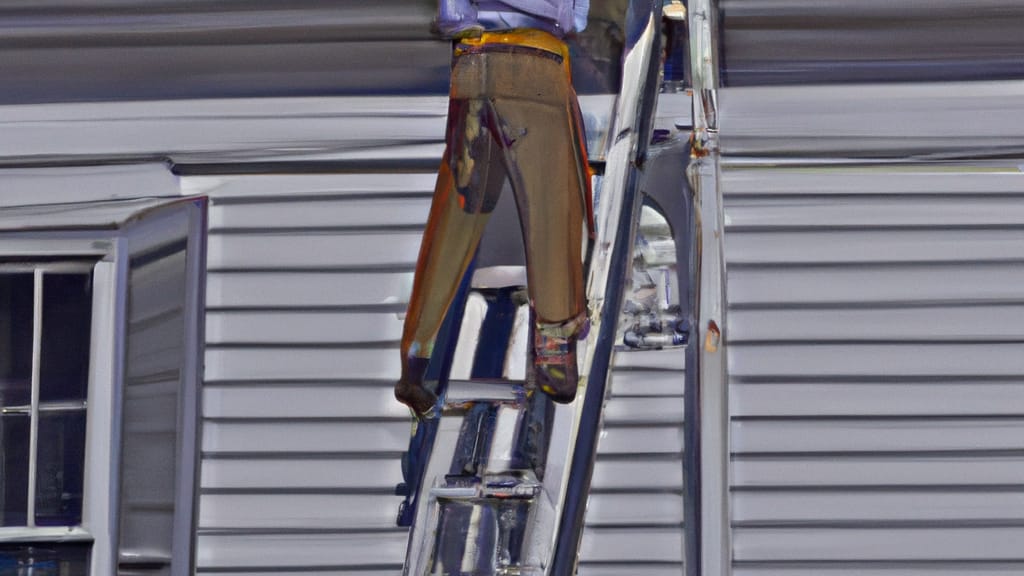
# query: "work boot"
410 390
554 358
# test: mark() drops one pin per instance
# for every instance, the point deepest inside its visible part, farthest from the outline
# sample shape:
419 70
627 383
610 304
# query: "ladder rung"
461 391
501 486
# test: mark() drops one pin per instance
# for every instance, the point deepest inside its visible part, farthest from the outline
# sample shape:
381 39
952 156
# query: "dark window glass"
60 462
45 559
60 420
67 322
16 339
14 434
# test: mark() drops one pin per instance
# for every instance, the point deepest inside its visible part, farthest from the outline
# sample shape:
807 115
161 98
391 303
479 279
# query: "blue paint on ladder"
415 459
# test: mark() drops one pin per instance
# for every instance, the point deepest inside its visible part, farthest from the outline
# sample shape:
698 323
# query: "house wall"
874 359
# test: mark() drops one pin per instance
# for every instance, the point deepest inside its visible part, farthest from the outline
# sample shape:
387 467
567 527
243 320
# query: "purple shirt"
560 17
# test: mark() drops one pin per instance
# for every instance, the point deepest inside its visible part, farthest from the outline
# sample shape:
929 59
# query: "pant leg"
550 181
470 178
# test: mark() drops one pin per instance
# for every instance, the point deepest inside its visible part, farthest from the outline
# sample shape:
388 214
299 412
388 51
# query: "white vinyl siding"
634 520
875 364
307 278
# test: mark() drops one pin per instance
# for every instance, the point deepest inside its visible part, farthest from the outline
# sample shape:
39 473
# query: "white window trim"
98 492
34 409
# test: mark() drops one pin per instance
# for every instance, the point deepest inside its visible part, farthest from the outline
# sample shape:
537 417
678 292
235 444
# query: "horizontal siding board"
830 360
635 509
309 402
302 327
294 511
646 383
304 290
671 359
874 284
877 399
281 189
828 182
934 323
613 569
632 545
646 439
298 473
855 247
242 251
283 438
289 551
645 410
760 213
877 435
321 213
929 544
877 507
301 363
641 473
878 471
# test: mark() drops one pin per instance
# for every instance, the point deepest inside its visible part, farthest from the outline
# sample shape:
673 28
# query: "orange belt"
526 37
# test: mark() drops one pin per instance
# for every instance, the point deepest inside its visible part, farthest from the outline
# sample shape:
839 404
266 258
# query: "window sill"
9 534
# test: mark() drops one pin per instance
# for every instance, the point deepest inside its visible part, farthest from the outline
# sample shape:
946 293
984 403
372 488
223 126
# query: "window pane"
59 468
14 431
67 320
40 559
15 339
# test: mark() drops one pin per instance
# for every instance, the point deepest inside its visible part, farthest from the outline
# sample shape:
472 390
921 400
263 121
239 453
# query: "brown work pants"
513 115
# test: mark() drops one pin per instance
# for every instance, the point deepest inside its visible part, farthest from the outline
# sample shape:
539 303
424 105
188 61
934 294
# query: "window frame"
74 250
35 408
73 213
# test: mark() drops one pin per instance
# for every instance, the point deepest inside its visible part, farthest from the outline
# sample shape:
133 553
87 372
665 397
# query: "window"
45 327
100 359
